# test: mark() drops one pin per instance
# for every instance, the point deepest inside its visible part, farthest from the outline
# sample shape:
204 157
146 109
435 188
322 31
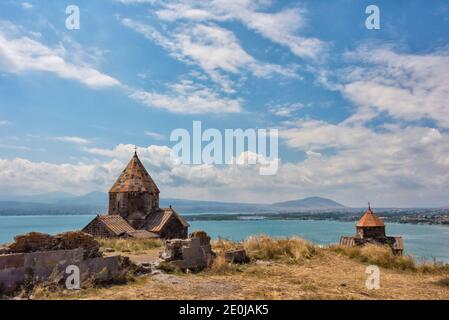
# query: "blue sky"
362 114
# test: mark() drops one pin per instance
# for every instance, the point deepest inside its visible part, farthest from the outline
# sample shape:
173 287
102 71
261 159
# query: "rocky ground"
326 274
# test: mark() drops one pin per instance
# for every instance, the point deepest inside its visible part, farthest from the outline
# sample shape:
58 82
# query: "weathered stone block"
194 253
76 239
237 256
35 242
12 261
202 235
32 264
44 266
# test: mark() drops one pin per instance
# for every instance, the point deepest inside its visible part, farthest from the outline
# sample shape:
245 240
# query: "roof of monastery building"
119 226
134 178
369 219
157 220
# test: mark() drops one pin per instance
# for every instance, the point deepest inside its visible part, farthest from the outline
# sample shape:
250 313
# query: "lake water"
422 241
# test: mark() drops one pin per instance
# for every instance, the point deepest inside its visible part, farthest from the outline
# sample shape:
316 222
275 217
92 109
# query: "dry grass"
222 245
381 256
433 267
286 269
327 276
444 282
291 250
222 266
129 245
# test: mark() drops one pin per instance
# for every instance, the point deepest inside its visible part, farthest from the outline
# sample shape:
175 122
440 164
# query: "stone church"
370 229
134 209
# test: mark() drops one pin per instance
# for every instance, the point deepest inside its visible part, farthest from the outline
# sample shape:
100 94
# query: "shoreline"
317 231
298 216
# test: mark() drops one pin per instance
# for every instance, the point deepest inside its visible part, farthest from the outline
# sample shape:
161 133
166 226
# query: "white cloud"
36 34
173 175
285 110
136 1
188 97
24 54
400 167
21 176
155 155
27 177
395 165
27 5
406 86
398 162
74 140
315 135
311 154
216 50
13 147
5 122
282 27
155 135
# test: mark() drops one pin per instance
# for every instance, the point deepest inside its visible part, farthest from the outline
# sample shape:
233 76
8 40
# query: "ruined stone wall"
36 267
37 257
193 254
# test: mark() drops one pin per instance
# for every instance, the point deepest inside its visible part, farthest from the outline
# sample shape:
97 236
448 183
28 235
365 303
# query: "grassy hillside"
280 269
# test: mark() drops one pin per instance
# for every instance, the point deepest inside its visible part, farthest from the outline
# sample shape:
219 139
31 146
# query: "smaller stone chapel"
370 229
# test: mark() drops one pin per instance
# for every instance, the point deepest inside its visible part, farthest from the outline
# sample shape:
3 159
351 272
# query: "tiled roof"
156 221
116 224
347 241
181 219
143 234
134 178
369 219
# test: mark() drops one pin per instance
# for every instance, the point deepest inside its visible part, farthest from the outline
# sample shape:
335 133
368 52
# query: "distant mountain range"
97 202
309 203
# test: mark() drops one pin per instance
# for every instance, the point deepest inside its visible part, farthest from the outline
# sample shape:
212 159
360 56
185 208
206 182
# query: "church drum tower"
134 195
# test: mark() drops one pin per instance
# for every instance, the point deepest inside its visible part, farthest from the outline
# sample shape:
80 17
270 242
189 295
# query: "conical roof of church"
134 178
369 219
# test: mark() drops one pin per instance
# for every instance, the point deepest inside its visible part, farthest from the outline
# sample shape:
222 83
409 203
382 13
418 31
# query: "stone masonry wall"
35 267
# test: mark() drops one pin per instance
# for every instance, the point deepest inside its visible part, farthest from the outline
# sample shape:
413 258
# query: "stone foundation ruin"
194 253
36 258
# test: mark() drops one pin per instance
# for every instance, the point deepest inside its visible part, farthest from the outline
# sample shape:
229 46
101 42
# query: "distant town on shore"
311 208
